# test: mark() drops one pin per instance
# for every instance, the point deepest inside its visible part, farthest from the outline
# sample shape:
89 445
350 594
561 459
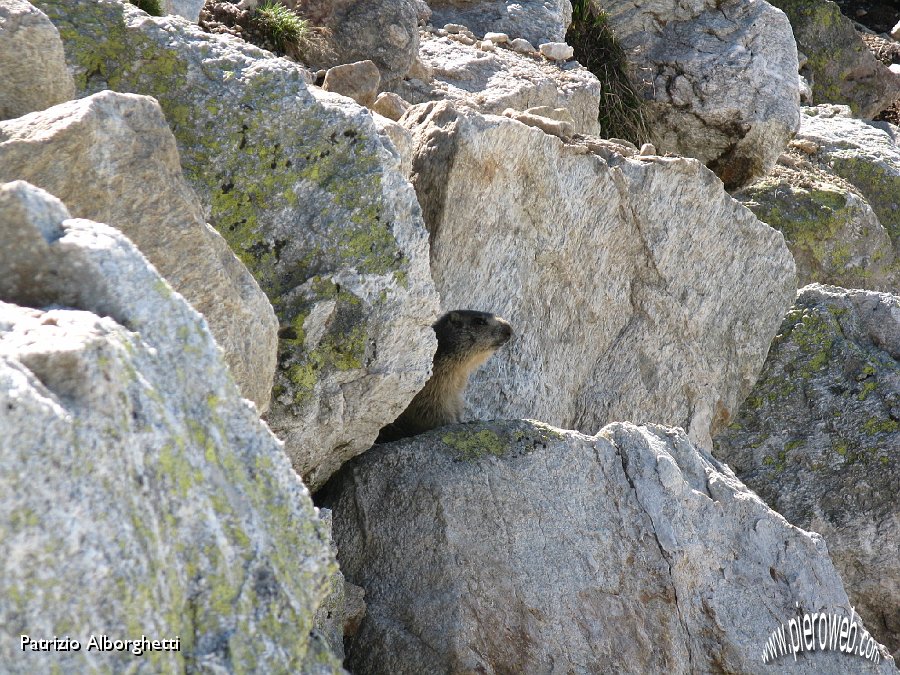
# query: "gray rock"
33 74
819 439
522 46
721 79
867 155
840 68
383 31
301 185
533 20
513 547
140 492
390 105
832 231
602 269
188 9
360 81
494 81
121 167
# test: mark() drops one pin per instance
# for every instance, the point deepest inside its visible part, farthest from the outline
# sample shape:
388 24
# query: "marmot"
466 339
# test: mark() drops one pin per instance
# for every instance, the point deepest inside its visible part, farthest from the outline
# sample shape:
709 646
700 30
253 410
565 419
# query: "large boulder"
721 79
33 73
141 495
819 439
492 81
840 68
303 188
534 20
122 167
383 31
866 154
637 288
513 547
830 228
188 9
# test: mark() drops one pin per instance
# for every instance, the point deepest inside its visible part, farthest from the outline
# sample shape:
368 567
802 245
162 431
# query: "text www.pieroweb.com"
821 632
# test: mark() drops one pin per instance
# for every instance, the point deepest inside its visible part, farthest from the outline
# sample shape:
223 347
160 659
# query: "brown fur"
466 339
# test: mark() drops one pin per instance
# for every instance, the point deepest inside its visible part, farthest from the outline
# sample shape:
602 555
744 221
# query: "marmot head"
467 335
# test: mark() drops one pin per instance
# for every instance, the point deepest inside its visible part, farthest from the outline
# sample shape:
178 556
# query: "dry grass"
621 112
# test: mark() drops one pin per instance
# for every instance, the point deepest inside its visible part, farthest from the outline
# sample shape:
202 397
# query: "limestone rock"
840 68
122 167
33 73
867 155
721 78
832 232
494 81
819 439
638 288
140 493
533 20
301 185
360 81
513 547
383 31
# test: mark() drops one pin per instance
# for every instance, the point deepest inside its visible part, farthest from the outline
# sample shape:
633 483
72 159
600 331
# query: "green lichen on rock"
880 186
295 187
471 445
831 230
840 67
482 439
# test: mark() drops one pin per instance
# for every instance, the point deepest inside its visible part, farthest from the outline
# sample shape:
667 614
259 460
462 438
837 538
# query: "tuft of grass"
621 112
152 7
287 31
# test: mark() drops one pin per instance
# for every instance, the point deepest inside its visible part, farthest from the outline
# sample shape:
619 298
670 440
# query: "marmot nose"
507 330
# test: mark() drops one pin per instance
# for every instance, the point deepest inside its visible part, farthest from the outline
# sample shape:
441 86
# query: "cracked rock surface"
721 78
515 547
637 288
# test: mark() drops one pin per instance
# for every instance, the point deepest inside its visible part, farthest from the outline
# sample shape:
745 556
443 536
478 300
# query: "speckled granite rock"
140 493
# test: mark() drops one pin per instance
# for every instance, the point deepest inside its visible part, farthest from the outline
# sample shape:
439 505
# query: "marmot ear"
452 317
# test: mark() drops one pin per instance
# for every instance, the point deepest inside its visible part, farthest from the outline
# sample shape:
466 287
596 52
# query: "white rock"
455 28
487 46
647 149
500 79
496 38
601 269
557 51
190 9
631 551
895 31
126 160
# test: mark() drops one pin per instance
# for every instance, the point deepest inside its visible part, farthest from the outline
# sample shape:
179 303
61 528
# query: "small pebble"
487 46
557 51
805 145
522 46
647 150
465 39
455 28
497 38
